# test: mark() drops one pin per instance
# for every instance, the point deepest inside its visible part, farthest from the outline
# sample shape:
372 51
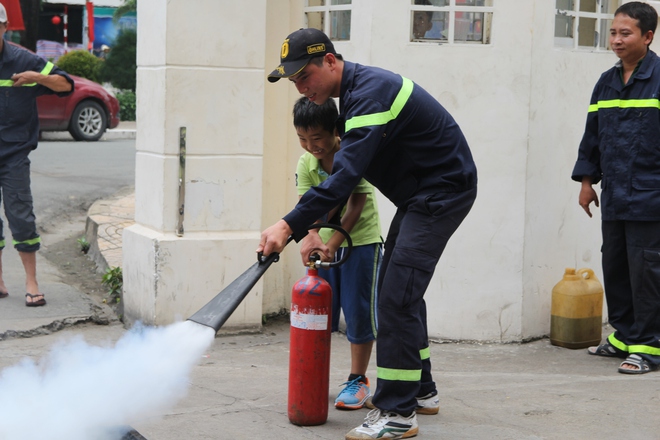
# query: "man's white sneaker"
385 424
429 404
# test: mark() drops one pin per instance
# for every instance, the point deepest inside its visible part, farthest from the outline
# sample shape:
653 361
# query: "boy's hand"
311 244
587 195
274 238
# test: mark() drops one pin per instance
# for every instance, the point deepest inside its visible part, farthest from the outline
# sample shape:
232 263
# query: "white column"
200 66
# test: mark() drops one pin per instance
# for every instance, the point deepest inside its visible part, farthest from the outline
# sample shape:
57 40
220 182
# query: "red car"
86 113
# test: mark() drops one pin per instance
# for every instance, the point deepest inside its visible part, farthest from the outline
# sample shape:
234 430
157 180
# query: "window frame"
452 8
573 43
327 9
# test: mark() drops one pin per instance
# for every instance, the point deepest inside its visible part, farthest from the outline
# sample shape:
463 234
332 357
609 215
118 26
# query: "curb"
107 136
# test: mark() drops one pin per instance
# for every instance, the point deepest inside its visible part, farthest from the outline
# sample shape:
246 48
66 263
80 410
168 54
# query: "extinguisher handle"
327 264
273 257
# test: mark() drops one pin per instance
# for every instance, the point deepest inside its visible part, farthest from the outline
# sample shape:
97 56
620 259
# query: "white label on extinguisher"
306 321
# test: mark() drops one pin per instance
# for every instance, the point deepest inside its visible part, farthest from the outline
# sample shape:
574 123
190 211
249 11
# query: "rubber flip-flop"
606 350
643 366
35 303
4 294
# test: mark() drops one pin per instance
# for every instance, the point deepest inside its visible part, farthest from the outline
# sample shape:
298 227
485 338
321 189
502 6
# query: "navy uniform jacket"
621 143
397 136
19 120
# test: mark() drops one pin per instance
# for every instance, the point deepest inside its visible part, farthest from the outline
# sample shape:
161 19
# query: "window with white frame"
451 21
330 16
584 24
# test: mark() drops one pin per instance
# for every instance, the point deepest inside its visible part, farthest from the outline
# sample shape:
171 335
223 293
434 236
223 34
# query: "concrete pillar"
200 66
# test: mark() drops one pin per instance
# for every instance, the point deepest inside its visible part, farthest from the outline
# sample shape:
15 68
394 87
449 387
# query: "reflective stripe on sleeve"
383 118
45 71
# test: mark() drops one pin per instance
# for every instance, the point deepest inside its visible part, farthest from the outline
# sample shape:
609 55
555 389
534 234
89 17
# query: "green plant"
80 63
114 281
128 6
120 65
84 245
126 100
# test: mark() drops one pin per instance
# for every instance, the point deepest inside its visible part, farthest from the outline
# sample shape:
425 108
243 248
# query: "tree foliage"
128 6
120 65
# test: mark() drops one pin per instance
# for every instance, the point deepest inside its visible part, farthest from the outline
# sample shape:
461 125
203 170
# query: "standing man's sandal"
4 294
641 364
606 350
35 302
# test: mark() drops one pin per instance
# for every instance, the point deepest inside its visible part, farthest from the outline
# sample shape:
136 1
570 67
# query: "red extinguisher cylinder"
309 352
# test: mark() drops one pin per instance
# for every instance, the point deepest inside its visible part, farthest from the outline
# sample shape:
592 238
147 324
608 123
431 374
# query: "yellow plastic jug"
577 310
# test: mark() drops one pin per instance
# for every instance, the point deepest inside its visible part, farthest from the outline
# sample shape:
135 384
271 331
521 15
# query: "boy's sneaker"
354 394
385 424
429 404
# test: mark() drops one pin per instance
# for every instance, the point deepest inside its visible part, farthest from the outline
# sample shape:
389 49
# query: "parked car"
86 113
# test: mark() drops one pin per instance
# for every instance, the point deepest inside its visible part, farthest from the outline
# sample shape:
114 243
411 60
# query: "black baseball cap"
298 48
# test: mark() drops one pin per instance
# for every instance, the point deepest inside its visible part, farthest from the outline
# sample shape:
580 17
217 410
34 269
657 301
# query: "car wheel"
88 122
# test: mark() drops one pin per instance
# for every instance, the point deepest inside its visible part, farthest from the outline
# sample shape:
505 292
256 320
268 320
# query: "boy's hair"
645 14
307 115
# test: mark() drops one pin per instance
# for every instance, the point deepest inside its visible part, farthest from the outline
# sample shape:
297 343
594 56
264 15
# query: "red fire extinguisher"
309 351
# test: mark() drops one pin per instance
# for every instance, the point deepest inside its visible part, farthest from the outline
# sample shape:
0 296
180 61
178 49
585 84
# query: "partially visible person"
402 141
23 77
422 20
621 147
353 283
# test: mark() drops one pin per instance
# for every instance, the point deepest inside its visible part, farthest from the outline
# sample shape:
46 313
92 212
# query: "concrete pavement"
239 388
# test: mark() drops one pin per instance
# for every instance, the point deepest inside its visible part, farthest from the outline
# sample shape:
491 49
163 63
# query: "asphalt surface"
238 388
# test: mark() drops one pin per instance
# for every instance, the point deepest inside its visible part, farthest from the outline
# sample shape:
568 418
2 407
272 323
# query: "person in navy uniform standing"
398 137
621 148
23 77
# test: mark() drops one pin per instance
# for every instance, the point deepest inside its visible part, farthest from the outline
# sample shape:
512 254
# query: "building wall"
521 103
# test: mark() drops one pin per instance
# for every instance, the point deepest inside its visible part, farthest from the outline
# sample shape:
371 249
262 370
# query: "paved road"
67 177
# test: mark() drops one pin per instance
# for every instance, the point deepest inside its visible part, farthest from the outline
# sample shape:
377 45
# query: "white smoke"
83 392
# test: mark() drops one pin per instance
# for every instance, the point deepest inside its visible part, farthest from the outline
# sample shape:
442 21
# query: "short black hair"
645 14
307 115
429 14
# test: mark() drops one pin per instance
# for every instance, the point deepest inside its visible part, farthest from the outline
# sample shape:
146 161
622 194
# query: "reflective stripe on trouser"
631 276
17 200
415 241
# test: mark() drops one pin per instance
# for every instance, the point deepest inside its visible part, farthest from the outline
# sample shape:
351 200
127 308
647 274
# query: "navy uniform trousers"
417 237
631 271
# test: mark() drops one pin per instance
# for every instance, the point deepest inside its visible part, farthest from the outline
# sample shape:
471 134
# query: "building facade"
517 77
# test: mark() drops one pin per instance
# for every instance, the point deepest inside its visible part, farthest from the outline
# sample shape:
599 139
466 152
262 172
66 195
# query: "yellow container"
577 310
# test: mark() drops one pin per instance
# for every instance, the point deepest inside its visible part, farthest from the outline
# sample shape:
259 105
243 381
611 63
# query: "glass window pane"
609 6
315 2
605 26
587 35
565 5
340 25
340 2
468 26
588 5
422 29
430 2
563 26
315 20
474 2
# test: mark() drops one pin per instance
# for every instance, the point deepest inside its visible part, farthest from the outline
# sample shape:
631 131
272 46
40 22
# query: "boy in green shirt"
354 283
